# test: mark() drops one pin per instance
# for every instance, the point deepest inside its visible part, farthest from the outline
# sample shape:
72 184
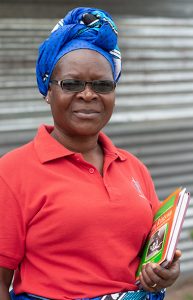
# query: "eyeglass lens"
99 86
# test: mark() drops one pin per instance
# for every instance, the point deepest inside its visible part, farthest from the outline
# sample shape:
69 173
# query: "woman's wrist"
4 292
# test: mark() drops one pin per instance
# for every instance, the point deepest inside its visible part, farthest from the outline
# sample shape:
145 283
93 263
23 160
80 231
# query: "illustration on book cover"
156 242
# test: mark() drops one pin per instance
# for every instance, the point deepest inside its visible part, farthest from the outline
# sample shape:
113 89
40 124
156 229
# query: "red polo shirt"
68 231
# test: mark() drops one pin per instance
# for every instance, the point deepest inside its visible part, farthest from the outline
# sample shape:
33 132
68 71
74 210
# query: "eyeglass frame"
59 83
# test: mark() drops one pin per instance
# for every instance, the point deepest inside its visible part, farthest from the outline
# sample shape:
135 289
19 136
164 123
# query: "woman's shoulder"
16 157
135 163
131 157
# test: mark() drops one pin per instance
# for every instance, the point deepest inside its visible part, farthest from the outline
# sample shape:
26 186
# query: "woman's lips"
86 114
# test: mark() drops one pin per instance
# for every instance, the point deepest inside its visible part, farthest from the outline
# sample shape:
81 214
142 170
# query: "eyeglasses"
75 85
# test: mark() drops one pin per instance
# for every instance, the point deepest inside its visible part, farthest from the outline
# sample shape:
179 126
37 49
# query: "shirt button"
91 170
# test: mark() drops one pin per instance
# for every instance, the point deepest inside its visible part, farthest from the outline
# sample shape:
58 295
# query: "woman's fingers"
177 255
149 279
153 277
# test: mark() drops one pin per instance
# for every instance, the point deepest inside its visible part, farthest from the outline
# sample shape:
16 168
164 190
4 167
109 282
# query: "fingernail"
154 266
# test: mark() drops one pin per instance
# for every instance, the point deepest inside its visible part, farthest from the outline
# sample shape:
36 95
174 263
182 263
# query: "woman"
78 209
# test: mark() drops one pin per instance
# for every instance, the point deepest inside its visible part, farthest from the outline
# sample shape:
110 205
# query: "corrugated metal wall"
57 8
154 112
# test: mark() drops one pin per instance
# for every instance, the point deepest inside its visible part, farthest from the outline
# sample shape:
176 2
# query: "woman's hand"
153 277
6 276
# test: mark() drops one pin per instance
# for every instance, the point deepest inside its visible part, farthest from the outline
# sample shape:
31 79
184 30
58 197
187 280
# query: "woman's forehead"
83 60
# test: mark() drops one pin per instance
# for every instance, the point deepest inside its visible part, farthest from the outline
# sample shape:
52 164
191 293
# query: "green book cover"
158 241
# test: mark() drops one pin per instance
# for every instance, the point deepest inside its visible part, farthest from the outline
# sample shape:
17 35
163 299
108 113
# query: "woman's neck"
79 144
89 147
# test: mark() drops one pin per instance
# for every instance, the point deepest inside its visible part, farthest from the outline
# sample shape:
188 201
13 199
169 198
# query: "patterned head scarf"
82 28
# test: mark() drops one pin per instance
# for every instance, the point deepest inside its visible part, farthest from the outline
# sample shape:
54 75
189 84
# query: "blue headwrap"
82 28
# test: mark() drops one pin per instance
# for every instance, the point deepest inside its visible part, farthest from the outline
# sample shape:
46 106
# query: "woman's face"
81 113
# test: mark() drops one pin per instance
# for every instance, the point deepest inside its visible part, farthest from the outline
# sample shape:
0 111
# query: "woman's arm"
154 277
6 276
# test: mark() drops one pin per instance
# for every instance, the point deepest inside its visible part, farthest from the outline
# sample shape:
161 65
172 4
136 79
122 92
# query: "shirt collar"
109 148
47 148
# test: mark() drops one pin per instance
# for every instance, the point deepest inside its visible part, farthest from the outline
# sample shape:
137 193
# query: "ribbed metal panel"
58 8
154 114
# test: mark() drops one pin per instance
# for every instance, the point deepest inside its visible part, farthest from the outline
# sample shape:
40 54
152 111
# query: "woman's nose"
88 94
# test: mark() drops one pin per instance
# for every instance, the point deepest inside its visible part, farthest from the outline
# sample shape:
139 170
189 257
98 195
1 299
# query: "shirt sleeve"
12 229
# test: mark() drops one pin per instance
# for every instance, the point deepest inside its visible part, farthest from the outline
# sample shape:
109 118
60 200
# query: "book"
162 240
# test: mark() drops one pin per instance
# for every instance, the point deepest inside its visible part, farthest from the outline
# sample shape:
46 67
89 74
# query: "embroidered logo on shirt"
138 188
